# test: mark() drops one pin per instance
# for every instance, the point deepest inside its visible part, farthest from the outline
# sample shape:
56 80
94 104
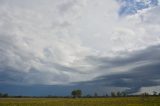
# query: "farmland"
118 101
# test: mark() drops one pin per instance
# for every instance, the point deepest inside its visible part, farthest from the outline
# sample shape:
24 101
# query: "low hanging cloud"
134 71
56 42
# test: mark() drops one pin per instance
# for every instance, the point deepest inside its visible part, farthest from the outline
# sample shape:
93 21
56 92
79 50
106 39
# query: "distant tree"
76 93
145 94
113 94
106 95
95 94
19 96
124 94
88 96
1 94
5 95
118 94
154 93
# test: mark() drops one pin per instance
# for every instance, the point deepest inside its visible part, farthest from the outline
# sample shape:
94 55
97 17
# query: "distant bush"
4 95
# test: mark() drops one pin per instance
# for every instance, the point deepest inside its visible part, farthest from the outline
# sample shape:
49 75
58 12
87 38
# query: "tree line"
3 95
77 93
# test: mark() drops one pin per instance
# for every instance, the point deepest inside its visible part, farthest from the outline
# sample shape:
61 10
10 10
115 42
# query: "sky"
50 47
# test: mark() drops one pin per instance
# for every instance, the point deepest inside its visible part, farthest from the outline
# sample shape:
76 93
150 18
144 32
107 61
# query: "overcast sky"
80 43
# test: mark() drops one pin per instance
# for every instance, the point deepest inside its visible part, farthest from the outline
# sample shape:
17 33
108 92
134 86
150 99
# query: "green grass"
128 101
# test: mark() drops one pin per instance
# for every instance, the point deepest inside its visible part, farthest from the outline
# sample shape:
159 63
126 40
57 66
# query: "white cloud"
34 39
47 41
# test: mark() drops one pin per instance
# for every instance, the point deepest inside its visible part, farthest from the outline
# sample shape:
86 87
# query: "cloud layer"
62 42
136 70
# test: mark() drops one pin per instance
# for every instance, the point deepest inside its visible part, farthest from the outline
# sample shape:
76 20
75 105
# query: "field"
128 101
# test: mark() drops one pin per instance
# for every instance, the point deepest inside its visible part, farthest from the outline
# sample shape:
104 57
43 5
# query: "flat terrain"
127 101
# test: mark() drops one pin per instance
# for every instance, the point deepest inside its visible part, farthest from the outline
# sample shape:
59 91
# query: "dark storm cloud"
141 75
14 76
150 54
46 42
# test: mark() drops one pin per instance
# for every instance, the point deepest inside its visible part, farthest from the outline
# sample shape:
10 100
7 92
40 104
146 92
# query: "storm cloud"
136 70
66 42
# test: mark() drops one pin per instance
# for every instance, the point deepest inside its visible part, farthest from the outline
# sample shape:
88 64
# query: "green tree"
76 93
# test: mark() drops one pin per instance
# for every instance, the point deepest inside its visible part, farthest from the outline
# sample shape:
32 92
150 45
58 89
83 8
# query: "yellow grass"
128 101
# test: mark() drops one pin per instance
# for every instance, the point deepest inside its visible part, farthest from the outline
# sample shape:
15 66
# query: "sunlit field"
128 101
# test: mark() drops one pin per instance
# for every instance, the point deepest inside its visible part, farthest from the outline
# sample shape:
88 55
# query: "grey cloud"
66 6
38 43
143 75
34 76
35 44
150 54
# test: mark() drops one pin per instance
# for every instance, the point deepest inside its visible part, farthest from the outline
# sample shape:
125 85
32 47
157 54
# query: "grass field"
128 101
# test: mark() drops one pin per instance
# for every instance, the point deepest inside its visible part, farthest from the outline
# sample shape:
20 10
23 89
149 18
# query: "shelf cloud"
65 42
